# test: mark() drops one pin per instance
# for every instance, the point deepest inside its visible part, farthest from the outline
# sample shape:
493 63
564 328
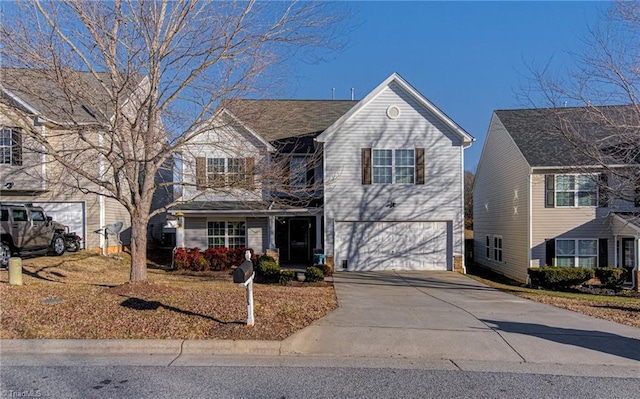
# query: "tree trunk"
138 249
636 288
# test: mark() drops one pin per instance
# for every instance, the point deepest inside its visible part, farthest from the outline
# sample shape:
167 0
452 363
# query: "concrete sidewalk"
441 319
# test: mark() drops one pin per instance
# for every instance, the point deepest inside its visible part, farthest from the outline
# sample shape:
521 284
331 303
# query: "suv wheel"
5 254
58 245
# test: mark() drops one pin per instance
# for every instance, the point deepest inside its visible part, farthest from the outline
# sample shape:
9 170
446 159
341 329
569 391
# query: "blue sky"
468 58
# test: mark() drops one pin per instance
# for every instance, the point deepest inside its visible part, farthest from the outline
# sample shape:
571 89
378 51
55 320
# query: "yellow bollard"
15 271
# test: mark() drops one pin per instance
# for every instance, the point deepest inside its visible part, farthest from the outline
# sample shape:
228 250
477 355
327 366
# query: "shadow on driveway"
600 341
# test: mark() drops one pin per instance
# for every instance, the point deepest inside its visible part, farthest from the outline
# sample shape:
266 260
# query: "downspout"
101 201
530 224
464 242
43 163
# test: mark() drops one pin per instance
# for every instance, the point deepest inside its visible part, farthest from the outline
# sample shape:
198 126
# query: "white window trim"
226 231
576 255
575 192
490 248
9 148
393 165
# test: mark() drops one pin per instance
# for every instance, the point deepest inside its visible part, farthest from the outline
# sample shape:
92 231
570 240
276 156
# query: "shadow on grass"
143 304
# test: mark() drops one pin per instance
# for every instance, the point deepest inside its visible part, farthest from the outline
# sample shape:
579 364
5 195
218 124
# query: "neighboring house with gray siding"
387 176
30 102
538 200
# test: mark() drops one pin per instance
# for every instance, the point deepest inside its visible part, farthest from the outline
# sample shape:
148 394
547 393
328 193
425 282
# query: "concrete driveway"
444 315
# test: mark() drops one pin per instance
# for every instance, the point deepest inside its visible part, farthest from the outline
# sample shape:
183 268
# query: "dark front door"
628 256
299 230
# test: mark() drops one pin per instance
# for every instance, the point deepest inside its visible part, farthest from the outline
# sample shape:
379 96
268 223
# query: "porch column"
634 273
180 230
272 232
616 263
318 232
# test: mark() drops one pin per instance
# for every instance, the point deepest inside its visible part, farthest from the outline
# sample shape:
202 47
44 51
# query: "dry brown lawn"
85 295
623 308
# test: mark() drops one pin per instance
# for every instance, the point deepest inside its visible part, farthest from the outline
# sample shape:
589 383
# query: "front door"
299 240
628 256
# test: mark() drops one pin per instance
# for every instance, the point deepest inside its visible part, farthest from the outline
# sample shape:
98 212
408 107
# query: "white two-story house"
372 184
540 199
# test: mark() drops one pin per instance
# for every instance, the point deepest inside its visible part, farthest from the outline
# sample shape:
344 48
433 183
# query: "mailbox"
243 272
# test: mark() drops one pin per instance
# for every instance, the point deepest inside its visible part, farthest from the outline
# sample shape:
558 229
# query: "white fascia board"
466 137
20 101
578 168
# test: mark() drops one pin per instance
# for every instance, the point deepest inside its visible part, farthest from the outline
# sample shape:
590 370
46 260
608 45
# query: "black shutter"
603 252
419 165
551 251
366 166
201 173
16 148
603 190
550 191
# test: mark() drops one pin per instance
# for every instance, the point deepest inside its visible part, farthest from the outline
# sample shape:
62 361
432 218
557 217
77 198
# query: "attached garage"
70 214
391 245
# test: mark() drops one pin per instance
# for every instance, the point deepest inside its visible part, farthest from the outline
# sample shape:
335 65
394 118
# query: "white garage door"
391 245
68 213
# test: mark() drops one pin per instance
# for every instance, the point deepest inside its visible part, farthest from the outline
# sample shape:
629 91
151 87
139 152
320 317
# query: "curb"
173 347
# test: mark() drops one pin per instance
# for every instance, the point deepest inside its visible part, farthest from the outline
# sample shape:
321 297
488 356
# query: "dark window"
10 147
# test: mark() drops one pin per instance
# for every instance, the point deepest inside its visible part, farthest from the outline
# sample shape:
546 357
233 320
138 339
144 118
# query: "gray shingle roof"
81 99
281 119
538 132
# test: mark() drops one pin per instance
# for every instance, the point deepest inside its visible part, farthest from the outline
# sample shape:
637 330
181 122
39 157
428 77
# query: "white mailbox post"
244 275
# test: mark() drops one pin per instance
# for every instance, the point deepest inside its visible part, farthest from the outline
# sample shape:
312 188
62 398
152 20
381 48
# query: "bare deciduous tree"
595 106
148 77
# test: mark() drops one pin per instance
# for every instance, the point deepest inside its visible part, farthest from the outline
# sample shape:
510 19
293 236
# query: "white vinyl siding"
501 204
440 198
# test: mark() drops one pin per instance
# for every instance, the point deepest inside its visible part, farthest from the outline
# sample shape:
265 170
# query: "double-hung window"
577 253
221 171
393 166
382 166
10 147
571 190
493 248
230 234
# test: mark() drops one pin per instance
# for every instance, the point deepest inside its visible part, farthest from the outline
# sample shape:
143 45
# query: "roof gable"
395 78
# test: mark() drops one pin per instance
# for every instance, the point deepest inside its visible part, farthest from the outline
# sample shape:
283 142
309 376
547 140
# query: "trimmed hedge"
267 269
286 276
559 277
611 277
216 259
313 274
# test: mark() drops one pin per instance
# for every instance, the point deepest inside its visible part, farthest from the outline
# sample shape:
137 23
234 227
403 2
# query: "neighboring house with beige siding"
387 190
27 175
538 201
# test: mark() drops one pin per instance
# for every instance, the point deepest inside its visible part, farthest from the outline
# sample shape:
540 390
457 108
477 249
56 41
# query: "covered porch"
626 234
295 233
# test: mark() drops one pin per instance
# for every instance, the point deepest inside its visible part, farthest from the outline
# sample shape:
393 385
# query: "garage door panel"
392 245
